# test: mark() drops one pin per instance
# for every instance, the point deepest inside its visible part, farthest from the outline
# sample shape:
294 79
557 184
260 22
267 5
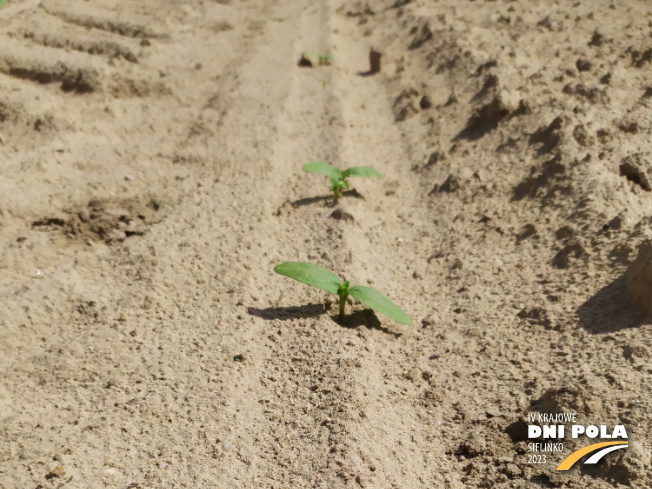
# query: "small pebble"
58 471
227 446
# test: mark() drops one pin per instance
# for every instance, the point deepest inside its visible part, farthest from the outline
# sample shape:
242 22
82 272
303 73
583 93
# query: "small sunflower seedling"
338 178
323 59
319 277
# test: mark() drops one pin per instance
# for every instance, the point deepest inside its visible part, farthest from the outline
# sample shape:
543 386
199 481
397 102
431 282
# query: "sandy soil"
150 181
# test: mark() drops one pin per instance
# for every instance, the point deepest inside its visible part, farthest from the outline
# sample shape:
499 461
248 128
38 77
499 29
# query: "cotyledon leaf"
377 301
361 171
322 168
310 274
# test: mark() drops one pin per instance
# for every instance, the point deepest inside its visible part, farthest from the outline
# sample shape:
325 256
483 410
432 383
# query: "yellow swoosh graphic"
575 456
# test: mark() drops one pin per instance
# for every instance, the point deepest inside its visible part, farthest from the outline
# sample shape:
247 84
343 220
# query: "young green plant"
338 178
324 59
319 277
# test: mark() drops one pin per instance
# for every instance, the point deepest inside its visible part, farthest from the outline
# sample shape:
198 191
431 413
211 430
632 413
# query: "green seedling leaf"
324 59
325 280
323 168
2 3
310 274
361 171
377 301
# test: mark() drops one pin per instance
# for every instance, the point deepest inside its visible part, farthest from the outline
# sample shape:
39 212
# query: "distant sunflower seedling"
323 279
338 178
323 59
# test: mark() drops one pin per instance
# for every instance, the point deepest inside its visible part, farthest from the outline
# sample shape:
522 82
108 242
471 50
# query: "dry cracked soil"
150 180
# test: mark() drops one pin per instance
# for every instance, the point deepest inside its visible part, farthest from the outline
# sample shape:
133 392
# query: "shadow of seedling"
611 309
288 313
366 318
353 193
326 198
310 200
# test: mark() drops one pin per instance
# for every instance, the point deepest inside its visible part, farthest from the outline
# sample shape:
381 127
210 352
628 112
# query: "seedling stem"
343 292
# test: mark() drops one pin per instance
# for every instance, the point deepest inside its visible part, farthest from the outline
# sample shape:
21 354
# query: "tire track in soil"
67 87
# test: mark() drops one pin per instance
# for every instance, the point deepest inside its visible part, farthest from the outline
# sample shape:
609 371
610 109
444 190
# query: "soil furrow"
301 382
